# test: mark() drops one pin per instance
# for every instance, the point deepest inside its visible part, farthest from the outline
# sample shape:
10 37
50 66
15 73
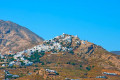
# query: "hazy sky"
97 21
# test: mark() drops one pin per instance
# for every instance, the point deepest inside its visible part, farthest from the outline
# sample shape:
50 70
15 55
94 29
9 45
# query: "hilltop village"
61 45
54 46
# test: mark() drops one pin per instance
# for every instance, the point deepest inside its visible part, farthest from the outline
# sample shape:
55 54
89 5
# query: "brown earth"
14 37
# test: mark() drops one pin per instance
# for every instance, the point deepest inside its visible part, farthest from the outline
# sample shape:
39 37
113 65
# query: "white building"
11 63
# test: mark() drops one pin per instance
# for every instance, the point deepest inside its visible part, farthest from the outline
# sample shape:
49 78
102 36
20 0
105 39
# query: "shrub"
57 73
68 62
88 68
42 63
36 65
81 66
71 52
73 63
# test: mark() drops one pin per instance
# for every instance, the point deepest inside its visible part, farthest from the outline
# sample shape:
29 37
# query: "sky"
97 21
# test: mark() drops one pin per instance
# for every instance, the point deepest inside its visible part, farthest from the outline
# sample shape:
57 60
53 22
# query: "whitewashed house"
83 42
11 63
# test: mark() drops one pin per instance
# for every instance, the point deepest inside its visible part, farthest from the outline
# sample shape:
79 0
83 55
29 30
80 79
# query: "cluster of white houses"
114 74
50 45
19 63
54 45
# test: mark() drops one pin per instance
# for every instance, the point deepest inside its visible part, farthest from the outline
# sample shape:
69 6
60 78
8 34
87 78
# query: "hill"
116 52
14 38
69 48
63 57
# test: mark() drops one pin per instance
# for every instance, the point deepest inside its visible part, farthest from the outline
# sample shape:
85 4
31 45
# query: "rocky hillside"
79 50
64 57
71 48
14 37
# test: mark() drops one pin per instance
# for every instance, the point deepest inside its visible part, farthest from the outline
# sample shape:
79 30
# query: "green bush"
68 63
42 63
81 66
88 68
57 73
36 56
73 63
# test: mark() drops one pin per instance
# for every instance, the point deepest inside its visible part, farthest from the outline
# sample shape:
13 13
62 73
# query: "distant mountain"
14 37
116 52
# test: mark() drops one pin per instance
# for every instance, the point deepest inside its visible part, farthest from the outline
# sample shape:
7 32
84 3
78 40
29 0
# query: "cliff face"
14 37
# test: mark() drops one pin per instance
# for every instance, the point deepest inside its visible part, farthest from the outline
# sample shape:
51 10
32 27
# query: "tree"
36 56
11 59
71 52
88 68
81 66
68 62
73 63
57 73
22 63
42 63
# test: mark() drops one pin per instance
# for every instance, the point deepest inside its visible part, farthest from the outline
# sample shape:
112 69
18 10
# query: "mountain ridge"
116 52
13 35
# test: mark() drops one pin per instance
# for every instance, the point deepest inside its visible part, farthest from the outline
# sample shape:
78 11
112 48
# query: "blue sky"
97 21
